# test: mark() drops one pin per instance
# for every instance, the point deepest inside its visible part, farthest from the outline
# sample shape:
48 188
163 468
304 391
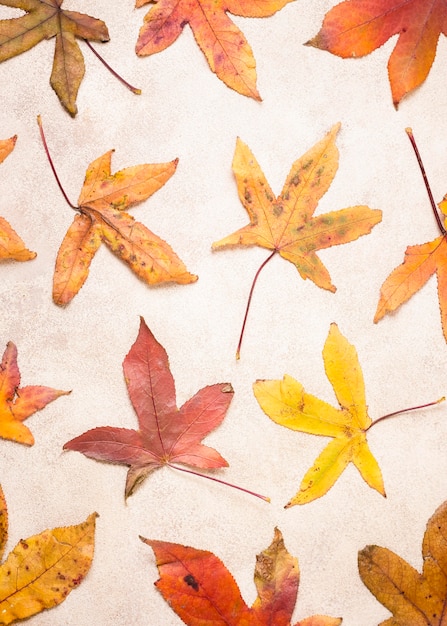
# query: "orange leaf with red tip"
18 403
201 590
355 28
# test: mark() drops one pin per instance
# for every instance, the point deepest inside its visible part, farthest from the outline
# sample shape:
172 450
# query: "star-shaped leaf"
17 403
166 435
45 19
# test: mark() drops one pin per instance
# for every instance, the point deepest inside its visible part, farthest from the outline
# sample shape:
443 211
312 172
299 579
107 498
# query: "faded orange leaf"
11 245
227 51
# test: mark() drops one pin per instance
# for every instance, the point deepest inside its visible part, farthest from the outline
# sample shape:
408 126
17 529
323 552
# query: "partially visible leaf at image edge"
355 28
11 245
166 435
18 403
45 19
42 570
414 599
200 589
285 224
227 51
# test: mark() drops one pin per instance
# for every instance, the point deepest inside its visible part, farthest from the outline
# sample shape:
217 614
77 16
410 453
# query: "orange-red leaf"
414 599
103 201
201 590
354 28
227 51
42 570
45 19
167 435
11 245
17 403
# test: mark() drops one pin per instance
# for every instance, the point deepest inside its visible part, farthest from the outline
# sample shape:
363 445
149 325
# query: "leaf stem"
427 184
222 482
42 135
412 408
238 351
111 70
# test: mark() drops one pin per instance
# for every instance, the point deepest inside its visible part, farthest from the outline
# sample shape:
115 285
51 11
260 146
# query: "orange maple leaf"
420 263
285 224
101 218
201 590
355 28
11 245
227 51
17 403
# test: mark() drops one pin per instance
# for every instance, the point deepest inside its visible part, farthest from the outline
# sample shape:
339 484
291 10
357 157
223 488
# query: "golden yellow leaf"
42 570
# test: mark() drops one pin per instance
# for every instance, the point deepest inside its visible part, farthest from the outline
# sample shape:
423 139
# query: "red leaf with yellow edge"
227 51
11 245
166 435
355 28
201 590
414 599
102 217
285 224
18 403
42 570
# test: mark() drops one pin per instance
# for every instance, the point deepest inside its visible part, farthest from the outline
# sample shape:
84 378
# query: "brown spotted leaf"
102 217
42 570
11 245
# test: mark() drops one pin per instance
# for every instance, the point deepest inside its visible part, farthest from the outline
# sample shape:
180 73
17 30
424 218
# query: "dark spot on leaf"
247 196
278 209
192 582
24 544
295 180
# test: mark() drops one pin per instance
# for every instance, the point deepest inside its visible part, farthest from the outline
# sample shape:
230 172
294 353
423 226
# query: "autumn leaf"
11 245
420 263
226 50
18 403
288 404
42 570
286 224
166 435
200 589
102 217
354 28
45 19
414 599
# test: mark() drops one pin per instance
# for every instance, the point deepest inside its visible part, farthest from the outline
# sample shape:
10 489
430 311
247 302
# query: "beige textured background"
186 112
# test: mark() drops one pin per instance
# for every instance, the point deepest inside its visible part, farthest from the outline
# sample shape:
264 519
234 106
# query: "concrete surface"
186 112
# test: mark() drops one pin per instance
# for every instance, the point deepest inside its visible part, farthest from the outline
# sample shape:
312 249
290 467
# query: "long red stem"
111 70
427 184
222 482
42 134
412 408
238 351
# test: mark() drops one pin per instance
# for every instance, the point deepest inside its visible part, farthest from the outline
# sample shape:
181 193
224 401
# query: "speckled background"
186 112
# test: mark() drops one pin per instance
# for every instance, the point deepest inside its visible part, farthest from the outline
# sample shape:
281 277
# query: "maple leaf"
355 28
285 224
102 218
420 263
18 403
200 589
11 245
414 599
42 570
288 404
226 50
45 19
167 435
